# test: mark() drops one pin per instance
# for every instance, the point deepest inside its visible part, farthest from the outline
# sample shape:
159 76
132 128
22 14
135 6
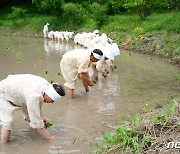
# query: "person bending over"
75 64
26 92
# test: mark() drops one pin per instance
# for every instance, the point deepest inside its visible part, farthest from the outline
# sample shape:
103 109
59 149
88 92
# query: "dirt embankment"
151 46
158 51
173 60
155 43
164 128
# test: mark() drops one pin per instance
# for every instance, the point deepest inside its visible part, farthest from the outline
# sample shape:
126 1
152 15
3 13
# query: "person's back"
75 64
45 28
26 92
76 55
76 61
18 87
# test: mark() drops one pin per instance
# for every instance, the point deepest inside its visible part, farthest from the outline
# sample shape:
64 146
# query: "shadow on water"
138 80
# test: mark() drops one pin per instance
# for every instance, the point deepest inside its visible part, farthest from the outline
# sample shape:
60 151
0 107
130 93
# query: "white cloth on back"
72 63
24 91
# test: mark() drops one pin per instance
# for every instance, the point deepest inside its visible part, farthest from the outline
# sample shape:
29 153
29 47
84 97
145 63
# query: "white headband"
51 92
97 56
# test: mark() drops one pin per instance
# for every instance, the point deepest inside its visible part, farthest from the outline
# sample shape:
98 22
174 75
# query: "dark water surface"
137 81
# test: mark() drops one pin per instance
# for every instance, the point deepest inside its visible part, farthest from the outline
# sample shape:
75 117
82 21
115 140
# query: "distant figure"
27 93
45 30
96 31
75 64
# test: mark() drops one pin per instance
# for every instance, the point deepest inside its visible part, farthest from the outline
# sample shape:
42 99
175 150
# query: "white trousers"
7 113
69 82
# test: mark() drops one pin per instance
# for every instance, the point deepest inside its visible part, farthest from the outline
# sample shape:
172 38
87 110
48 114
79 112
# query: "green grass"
131 137
125 29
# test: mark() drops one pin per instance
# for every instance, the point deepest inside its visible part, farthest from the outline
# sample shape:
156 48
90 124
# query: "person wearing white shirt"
75 64
26 92
45 30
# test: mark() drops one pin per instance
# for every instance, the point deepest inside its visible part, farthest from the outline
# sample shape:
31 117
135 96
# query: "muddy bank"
77 123
145 47
161 123
146 50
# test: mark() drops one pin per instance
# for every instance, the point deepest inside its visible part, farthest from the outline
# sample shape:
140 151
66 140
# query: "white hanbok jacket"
25 92
73 63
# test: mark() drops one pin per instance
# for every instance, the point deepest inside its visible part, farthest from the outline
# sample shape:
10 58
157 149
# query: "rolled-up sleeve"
33 107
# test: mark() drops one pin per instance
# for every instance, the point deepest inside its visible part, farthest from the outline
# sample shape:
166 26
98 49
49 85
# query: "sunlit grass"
125 29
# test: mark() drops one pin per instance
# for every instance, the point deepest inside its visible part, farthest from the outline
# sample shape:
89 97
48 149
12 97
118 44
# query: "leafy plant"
50 7
46 71
130 139
74 14
94 81
17 12
98 13
48 125
127 137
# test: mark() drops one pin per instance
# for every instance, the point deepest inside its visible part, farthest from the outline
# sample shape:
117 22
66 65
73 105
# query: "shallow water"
138 80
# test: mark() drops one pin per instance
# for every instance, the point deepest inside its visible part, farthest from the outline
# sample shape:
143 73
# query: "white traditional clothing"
45 30
25 92
74 62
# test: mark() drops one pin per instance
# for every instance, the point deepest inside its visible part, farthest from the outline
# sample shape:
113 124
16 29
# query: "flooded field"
137 81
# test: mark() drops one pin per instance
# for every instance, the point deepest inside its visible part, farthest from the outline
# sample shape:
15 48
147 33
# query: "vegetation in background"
73 15
49 7
147 26
139 25
98 14
143 133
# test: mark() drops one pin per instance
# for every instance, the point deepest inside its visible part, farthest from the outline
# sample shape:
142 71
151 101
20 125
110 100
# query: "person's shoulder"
75 52
78 50
26 76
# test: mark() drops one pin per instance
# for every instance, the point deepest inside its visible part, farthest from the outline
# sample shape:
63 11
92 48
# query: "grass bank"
148 132
159 34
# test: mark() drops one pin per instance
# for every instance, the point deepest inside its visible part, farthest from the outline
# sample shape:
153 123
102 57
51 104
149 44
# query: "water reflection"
77 123
109 90
59 47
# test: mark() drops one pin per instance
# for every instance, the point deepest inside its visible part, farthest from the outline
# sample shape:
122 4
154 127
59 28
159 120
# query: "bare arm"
44 132
86 81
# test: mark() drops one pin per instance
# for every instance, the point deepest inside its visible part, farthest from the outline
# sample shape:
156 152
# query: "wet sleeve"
34 111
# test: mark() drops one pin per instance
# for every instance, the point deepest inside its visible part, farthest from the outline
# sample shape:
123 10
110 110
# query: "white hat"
96 31
110 40
51 92
115 49
96 55
109 54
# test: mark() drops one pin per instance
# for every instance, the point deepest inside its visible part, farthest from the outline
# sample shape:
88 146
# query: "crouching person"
75 64
26 92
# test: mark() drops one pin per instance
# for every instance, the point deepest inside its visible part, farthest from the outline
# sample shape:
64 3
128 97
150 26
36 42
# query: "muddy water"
138 80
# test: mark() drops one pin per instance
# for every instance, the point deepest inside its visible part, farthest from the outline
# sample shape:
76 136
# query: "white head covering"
104 38
51 92
110 40
109 54
115 49
96 31
97 56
